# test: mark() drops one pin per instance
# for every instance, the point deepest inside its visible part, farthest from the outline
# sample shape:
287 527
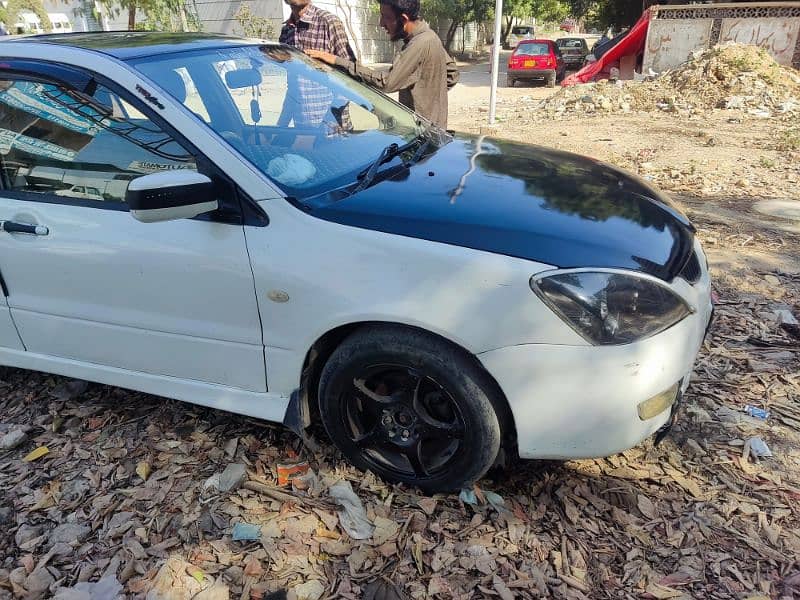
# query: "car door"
86 282
9 338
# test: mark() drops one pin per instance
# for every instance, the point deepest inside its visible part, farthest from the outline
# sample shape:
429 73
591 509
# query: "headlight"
610 308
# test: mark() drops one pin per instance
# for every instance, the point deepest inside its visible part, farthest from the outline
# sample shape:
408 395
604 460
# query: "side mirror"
170 195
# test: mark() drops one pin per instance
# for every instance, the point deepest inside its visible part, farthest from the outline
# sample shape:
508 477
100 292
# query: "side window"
57 140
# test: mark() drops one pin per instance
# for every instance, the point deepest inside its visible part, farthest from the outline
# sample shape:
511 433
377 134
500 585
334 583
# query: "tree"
549 10
541 10
457 12
160 14
513 10
14 7
252 25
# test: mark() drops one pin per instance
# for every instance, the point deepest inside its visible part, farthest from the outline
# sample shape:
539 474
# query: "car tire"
510 82
551 80
410 407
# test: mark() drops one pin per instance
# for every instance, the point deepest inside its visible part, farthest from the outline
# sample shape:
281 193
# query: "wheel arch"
305 402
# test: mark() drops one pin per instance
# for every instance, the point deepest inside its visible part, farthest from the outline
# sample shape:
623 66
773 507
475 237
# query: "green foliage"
252 25
457 12
160 15
549 10
14 7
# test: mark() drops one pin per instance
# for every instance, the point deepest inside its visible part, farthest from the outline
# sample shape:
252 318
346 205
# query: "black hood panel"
524 201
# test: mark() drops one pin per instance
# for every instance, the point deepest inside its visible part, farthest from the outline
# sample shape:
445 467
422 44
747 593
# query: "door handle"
12 227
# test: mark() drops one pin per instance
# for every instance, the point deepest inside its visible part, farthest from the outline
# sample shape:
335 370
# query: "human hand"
325 57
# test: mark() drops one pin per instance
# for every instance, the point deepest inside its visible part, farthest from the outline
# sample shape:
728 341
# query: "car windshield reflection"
307 126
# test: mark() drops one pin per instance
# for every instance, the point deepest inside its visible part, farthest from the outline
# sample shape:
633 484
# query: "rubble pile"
730 76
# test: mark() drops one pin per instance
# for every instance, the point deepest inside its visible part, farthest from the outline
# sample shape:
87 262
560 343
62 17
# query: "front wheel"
410 407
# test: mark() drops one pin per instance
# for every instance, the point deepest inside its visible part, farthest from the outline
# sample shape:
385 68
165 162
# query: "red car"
536 59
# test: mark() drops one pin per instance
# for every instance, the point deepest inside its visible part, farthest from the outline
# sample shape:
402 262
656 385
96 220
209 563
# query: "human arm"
340 45
401 75
452 72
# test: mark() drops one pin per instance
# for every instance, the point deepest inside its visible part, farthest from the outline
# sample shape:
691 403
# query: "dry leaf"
36 454
143 470
646 507
662 592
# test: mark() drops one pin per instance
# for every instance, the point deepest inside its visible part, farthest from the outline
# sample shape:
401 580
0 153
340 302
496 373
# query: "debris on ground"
730 76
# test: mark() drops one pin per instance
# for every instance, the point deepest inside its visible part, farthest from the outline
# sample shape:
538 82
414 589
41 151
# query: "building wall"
360 18
677 31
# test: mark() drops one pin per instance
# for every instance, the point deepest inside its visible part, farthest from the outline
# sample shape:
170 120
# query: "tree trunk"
131 16
451 34
506 29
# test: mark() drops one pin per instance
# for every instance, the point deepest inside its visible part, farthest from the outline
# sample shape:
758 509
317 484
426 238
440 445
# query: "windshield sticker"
12 139
144 166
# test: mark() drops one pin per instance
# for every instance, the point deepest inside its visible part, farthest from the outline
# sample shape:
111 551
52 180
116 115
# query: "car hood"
524 201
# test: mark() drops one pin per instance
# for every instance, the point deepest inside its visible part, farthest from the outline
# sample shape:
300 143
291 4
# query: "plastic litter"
756 412
352 517
107 588
758 448
12 439
468 497
287 471
246 532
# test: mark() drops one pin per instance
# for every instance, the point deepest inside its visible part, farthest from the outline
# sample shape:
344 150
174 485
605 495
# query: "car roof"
136 44
570 39
536 41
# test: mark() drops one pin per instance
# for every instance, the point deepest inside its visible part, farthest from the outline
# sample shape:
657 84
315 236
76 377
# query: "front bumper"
573 402
531 73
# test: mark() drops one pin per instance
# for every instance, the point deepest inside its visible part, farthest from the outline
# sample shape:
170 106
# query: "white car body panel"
9 338
572 402
261 405
171 298
337 275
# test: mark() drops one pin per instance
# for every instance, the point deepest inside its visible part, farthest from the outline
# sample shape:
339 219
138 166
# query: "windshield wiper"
419 152
386 154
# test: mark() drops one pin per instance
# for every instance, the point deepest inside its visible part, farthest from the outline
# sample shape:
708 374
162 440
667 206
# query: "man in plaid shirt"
312 28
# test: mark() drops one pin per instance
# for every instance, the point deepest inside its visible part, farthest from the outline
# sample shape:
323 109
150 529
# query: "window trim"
86 81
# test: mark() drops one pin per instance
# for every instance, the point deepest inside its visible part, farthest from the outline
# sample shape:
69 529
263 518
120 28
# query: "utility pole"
498 18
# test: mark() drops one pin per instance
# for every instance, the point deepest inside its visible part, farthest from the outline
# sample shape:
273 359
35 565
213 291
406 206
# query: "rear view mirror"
242 78
170 195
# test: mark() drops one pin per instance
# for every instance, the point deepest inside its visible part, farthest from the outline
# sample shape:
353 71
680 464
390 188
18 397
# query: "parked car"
434 301
80 191
536 59
519 33
574 51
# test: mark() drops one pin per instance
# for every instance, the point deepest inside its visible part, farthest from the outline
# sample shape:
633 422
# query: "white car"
80 191
289 244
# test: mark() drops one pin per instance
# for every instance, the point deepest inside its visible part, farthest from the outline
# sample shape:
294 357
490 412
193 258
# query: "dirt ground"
122 503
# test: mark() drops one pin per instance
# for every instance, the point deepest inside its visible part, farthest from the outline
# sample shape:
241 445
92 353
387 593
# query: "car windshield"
533 49
522 30
567 43
309 127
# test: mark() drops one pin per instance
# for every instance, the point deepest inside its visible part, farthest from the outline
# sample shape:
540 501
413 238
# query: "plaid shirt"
317 29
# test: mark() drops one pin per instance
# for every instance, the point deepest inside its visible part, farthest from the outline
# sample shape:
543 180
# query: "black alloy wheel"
411 408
